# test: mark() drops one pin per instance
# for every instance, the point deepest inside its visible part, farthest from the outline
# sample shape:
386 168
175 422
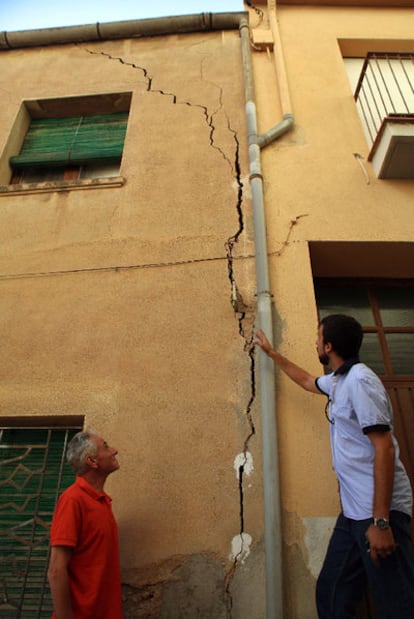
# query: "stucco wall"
116 304
318 190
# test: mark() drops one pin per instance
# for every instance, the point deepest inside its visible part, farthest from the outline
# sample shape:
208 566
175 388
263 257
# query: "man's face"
106 456
321 347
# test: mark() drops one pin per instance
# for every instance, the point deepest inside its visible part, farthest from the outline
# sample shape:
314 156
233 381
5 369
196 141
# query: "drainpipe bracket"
266 293
256 175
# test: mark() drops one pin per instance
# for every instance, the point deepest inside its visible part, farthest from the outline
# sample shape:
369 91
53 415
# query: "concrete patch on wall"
305 541
195 590
317 535
247 589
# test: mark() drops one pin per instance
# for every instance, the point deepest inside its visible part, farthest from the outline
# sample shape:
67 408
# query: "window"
68 140
71 148
33 472
386 312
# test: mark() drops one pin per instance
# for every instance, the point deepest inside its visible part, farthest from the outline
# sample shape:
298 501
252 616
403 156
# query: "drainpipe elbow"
277 131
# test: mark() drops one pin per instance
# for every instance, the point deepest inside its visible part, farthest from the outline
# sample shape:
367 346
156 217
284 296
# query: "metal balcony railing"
385 93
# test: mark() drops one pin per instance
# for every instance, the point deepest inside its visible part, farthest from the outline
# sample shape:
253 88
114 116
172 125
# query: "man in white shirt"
371 541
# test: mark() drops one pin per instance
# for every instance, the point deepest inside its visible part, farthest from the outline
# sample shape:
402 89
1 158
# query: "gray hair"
79 447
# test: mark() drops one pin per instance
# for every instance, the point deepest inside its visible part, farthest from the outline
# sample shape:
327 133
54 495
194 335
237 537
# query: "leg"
342 579
392 582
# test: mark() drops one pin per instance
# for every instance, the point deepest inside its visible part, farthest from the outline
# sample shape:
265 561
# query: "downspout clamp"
270 455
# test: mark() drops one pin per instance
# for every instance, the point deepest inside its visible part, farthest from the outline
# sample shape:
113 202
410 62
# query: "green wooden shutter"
33 472
79 140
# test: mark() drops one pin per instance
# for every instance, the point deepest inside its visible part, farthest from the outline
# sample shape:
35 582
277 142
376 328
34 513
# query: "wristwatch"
382 523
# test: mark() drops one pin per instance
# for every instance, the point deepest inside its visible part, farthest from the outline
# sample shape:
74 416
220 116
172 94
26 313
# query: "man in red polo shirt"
84 571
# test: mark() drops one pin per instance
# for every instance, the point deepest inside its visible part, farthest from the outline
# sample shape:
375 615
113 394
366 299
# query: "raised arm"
59 581
295 373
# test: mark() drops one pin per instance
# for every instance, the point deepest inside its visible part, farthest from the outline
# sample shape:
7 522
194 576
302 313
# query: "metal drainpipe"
270 455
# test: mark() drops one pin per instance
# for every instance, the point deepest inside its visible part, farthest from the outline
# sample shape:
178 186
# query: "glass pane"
401 348
100 170
41 175
349 300
396 306
370 353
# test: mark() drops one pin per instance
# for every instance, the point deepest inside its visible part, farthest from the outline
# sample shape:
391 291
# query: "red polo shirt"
84 521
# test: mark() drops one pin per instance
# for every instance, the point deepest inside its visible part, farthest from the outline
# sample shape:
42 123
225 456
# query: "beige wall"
316 191
116 301
116 305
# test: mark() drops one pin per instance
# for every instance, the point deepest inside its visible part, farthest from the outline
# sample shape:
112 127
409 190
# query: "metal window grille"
385 91
33 472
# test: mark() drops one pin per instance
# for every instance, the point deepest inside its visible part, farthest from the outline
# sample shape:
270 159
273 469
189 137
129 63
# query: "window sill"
52 186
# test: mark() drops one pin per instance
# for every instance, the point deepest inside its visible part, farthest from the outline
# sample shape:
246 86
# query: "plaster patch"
316 539
244 459
240 547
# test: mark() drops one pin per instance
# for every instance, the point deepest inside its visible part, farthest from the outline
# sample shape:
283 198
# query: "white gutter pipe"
270 452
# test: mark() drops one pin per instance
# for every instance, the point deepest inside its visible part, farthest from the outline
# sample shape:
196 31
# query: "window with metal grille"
33 473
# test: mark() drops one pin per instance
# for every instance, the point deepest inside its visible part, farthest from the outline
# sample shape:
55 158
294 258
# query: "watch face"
381 523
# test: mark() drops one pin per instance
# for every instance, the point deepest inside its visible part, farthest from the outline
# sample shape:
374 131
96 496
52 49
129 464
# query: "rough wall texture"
320 188
134 305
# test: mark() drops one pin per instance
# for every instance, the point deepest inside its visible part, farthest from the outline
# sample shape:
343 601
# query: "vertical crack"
241 310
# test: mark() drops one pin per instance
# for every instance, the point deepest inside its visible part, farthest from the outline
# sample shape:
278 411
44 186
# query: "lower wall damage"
196 589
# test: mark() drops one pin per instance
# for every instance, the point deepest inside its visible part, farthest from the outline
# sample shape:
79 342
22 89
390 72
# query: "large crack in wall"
243 312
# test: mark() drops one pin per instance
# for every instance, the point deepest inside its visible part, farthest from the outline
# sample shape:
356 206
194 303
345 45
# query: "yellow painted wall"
116 305
316 190
116 302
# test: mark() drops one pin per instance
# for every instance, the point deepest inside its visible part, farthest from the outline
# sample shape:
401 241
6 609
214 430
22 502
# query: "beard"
324 359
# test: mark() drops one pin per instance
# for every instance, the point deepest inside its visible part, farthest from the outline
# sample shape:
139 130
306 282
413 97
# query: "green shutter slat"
99 138
61 141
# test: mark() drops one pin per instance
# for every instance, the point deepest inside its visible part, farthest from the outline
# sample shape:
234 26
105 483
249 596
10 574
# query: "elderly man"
84 570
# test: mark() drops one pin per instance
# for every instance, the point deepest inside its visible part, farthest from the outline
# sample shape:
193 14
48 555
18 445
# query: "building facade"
340 230
166 185
128 304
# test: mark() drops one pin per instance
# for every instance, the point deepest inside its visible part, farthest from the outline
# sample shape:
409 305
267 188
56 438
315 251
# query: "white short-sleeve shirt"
359 403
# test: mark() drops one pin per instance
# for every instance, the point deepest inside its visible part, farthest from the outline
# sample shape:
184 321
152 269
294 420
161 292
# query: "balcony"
385 102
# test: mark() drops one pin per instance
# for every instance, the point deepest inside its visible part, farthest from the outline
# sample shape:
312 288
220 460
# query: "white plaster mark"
316 539
240 547
245 460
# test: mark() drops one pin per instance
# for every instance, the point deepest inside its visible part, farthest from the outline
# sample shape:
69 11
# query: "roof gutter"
181 24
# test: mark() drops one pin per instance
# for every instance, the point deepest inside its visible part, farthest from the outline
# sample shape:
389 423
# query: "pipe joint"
256 175
264 293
